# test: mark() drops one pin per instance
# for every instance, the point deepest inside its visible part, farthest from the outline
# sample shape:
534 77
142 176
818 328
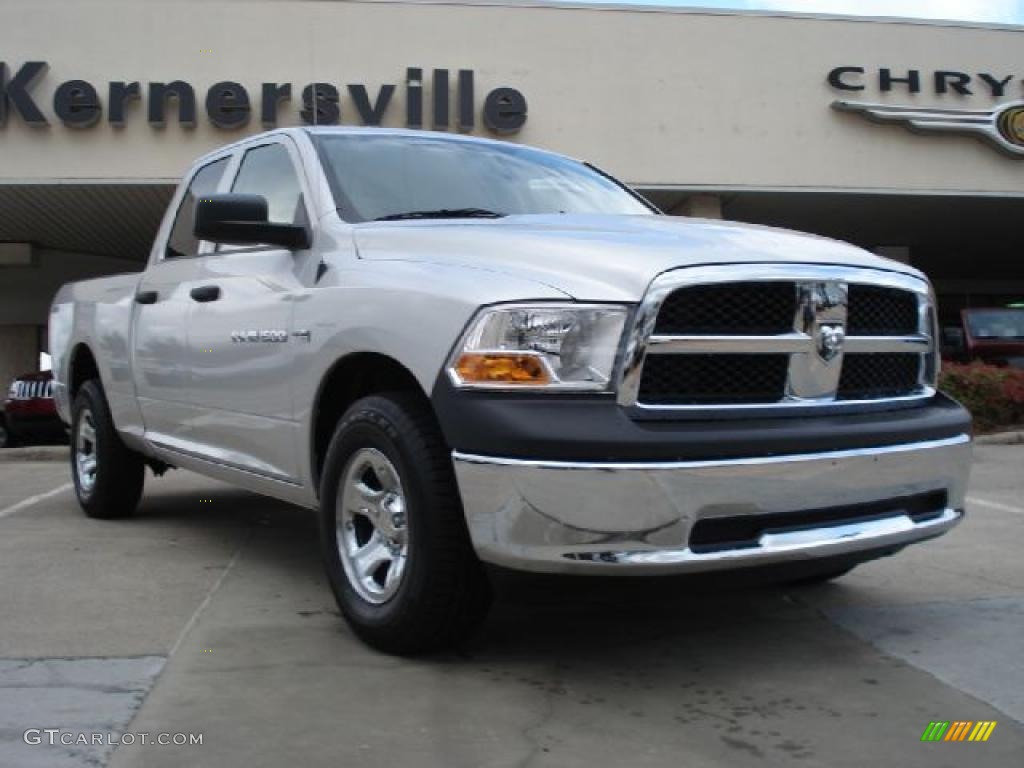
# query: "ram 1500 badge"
488 354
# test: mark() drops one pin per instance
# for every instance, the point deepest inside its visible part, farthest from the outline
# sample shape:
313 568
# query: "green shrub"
993 395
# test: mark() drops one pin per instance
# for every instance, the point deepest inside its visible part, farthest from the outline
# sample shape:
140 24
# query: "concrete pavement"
208 613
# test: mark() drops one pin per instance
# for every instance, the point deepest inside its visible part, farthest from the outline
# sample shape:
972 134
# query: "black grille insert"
869 376
715 534
710 379
879 311
754 309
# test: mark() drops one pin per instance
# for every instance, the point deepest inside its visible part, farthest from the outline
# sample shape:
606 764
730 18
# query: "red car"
29 413
989 335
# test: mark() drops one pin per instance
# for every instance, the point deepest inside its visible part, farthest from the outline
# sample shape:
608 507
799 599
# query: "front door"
160 347
240 330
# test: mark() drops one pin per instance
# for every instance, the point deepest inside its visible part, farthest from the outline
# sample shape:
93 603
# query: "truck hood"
601 258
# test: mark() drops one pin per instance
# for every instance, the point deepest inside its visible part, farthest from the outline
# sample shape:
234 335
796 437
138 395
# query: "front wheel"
108 475
395 544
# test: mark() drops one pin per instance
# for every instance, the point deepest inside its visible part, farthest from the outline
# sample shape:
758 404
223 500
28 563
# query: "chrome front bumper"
580 517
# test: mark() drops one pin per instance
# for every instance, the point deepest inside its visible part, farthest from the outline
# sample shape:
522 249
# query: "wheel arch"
352 377
82 367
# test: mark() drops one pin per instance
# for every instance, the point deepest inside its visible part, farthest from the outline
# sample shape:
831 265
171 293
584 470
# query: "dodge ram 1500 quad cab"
467 352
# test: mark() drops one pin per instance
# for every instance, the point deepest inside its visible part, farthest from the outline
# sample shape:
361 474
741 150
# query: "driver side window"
182 241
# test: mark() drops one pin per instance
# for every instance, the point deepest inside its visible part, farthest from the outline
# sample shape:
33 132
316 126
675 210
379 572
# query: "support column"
700 206
19 352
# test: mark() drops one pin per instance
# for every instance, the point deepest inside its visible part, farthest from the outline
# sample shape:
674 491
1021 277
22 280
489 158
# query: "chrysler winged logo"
1002 127
830 341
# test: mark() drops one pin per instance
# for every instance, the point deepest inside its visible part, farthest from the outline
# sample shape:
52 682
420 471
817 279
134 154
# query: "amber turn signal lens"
498 368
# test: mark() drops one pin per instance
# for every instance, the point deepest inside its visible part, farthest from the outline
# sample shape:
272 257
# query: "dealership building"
904 137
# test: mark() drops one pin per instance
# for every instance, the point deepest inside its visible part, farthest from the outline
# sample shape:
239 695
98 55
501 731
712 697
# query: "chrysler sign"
229 104
1001 126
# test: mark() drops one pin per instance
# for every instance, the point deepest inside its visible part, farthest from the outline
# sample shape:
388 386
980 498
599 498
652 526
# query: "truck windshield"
399 177
996 324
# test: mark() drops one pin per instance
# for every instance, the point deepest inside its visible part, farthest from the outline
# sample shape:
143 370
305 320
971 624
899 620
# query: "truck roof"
352 130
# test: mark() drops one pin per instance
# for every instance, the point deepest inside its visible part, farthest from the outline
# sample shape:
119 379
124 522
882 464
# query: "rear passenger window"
268 171
182 241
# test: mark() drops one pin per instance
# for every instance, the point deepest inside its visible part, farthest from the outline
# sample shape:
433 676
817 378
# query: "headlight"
542 346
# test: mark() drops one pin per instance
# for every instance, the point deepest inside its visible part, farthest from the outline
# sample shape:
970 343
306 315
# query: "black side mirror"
242 220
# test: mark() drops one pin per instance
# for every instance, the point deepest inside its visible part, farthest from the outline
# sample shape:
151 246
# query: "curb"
34 453
1013 437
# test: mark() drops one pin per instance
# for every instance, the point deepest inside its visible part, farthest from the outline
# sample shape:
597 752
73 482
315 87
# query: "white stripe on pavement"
206 600
995 505
34 499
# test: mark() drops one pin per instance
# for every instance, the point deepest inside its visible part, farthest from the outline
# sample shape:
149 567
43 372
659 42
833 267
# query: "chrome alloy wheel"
86 458
372 532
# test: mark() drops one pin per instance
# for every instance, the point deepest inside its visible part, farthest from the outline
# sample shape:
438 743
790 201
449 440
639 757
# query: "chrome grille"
779 336
30 390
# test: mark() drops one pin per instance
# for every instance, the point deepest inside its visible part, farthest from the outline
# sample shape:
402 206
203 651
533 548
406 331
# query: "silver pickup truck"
464 352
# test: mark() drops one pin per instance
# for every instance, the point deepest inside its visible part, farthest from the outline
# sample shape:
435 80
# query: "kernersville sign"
228 104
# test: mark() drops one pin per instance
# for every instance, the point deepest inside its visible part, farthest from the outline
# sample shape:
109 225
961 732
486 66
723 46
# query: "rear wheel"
108 475
395 544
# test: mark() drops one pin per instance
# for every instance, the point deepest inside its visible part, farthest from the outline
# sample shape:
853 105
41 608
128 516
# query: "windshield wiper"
443 213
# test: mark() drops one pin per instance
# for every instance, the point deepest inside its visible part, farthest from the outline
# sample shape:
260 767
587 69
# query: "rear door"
160 348
240 328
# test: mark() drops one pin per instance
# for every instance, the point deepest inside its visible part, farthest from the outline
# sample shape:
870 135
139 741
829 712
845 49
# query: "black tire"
114 489
6 438
443 592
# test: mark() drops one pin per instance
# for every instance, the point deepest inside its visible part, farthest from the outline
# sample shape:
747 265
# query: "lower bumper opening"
718 534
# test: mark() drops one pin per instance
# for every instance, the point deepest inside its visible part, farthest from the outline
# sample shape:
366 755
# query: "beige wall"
658 98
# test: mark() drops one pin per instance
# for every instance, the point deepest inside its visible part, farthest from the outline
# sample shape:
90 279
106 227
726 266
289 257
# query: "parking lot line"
206 600
34 499
995 505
